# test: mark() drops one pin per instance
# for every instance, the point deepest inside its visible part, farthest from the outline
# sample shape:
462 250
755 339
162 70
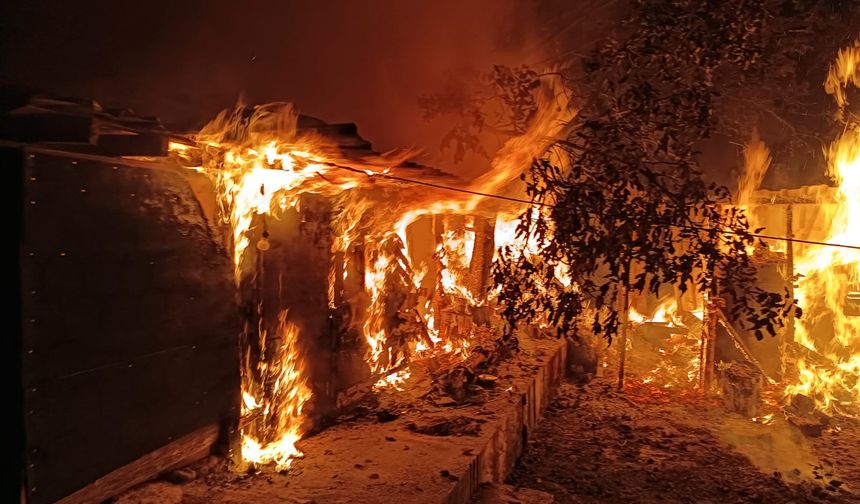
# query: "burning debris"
812 367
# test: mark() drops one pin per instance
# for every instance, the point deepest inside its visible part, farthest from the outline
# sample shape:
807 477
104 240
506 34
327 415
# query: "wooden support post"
480 266
706 318
706 349
622 354
709 358
336 280
788 336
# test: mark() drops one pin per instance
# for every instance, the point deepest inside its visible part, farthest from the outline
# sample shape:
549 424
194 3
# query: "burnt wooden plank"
175 454
130 320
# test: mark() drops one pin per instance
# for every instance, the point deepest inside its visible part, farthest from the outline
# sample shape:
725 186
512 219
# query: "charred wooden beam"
787 337
739 343
152 144
83 126
344 135
47 127
179 453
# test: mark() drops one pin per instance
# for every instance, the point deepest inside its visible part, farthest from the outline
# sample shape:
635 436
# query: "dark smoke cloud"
359 61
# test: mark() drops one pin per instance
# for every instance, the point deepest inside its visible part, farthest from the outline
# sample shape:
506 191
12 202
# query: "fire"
394 380
829 370
261 164
455 253
677 359
272 437
845 70
757 160
829 277
665 313
259 168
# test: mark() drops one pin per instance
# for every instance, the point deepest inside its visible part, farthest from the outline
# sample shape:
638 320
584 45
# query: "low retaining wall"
380 456
511 432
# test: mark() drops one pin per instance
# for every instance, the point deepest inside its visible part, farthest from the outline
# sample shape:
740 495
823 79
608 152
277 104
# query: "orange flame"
261 164
845 70
830 281
280 414
830 276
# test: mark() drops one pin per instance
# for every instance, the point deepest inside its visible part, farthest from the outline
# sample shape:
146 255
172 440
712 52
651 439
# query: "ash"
648 445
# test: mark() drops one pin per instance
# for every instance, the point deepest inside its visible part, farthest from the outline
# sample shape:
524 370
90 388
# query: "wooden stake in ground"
707 316
712 345
622 355
709 338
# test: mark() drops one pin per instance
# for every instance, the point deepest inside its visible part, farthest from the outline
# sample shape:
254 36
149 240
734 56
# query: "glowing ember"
764 420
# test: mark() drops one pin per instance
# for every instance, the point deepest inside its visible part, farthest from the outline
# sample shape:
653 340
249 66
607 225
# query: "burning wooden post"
787 337
451 300
479 277
283 287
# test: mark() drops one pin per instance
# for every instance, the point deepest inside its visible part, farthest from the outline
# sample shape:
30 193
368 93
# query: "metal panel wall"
129 316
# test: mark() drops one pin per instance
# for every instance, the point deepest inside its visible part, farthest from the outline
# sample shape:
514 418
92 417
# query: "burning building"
331 269
260 276
812 255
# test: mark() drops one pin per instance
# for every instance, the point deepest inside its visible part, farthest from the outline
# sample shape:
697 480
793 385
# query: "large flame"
830 281
829 287
757 160
272 438
261 164
845 70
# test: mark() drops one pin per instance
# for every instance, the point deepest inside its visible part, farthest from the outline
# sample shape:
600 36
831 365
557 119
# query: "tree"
625 206
502 105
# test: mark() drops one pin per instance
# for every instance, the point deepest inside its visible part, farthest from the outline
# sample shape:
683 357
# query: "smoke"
777 447
343 61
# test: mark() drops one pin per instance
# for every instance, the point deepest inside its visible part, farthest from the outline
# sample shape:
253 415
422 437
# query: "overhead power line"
550 205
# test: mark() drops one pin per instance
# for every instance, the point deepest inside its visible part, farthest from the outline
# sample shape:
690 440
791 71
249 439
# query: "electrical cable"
549 205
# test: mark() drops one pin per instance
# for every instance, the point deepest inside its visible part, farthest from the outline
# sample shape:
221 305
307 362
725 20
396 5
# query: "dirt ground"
404 446
649 445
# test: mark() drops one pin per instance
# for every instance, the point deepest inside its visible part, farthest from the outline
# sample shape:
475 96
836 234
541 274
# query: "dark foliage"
628 208
503 105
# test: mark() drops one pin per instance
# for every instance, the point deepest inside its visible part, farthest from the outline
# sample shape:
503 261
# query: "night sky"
365 62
